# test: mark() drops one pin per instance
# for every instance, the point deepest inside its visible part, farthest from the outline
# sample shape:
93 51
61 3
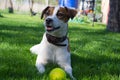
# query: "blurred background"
23 6
90 8
37 5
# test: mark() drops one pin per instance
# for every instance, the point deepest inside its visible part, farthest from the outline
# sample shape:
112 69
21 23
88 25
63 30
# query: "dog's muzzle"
49 25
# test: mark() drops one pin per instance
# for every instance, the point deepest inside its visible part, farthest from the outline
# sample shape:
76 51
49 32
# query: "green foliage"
95 52
1 15
4 11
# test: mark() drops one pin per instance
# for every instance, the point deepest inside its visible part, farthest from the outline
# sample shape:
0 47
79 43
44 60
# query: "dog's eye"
60 14
47 13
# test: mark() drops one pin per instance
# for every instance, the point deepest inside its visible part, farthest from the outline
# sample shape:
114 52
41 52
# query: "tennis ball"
57 74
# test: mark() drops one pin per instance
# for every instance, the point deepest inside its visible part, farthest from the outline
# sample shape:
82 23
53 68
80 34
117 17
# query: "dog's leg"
40 67
68 70
66 65
40 63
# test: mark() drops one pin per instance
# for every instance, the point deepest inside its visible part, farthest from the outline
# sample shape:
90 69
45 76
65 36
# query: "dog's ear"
43 12
72 12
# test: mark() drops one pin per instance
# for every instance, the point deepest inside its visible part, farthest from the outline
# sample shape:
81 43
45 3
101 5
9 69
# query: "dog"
54 46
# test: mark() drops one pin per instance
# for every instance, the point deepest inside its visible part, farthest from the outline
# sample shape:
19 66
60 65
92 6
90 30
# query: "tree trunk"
10 8
114 16
31 2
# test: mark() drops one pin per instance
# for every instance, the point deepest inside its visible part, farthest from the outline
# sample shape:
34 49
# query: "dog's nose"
48 20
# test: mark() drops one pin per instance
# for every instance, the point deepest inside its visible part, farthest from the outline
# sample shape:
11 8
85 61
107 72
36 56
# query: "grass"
95 51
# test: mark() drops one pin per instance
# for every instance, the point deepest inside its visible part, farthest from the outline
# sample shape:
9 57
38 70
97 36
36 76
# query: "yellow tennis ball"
57 74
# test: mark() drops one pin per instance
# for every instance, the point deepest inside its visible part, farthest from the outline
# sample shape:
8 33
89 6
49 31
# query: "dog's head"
56 19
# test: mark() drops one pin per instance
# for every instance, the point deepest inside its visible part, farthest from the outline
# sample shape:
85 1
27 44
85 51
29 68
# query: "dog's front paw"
73 78
40 68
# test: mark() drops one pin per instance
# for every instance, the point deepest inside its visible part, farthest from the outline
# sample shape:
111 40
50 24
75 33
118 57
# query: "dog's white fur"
48 52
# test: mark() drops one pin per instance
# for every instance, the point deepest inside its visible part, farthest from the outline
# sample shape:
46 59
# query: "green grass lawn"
95 51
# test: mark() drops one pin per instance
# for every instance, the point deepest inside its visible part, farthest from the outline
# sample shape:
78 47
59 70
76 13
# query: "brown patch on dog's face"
65 13
47 12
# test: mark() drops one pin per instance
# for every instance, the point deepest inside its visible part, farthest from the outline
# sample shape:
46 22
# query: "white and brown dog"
54 45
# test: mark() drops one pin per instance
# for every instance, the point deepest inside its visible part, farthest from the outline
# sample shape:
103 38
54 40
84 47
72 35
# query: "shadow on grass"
98 66
18 68
21 34
15 67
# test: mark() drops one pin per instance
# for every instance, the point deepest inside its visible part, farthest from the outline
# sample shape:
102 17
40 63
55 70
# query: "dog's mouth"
51 28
